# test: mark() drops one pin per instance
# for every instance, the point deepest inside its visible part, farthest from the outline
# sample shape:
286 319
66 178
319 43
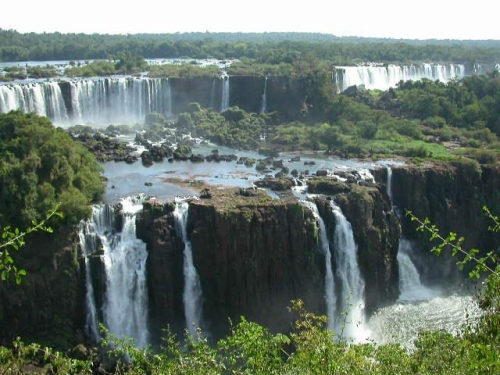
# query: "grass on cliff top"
232 199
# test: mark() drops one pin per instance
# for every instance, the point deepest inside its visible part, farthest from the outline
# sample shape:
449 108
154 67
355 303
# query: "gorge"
254 254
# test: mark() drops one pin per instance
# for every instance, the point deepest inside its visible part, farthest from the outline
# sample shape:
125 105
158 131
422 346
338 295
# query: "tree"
41 166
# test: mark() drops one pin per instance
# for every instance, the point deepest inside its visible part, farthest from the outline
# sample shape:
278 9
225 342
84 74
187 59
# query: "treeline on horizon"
273 48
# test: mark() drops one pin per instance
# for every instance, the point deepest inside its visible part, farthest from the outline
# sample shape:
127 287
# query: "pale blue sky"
421 19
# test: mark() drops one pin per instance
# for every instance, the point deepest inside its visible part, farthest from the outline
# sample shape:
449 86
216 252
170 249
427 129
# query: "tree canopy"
41 165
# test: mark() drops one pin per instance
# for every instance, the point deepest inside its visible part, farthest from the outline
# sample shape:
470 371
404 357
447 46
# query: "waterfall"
98 101
384 77
263 108
225 93
192 296
330 299
42 98
389 184
89 234
351 319
124 256
344 289
410 286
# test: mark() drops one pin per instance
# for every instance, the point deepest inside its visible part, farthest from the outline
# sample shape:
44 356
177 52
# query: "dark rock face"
47 307
156 226
452 197
252 258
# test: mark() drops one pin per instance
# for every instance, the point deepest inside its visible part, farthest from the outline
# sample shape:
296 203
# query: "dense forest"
263 47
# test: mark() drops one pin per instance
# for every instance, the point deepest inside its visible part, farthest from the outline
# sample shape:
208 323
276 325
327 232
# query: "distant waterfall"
330 299
96 101
384 77
351 304
225 93
212 96
192 287
389 184
44 99
125 306
263 108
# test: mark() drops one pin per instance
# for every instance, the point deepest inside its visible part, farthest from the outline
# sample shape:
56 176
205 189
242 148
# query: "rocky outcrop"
156 226
253 256
376 232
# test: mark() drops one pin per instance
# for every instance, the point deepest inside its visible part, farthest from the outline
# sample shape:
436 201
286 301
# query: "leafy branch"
15 239
455 243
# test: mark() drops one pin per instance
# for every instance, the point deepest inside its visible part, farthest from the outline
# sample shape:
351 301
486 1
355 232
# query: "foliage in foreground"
252 349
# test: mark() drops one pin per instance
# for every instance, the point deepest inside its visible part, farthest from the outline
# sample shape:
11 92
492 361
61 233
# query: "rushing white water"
350 320
125 307
192 296
330 298
263 108
90 233
44 98
385 77
100 101
411 288
402 322
389 184
225 93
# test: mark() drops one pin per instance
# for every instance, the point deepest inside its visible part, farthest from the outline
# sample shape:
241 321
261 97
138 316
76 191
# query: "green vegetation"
273 48
423 119
15 239
41 165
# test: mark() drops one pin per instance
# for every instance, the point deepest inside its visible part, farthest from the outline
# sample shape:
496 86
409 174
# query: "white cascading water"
99 101
384 77
225 93
330 299
350 319
411 288
90 233
192 296
125 306
42 98
263 108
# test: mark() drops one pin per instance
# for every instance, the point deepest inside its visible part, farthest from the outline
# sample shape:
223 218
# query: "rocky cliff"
47 307
452 196
376 232
254 255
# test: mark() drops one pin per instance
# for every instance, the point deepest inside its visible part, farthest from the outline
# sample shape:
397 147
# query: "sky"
421 19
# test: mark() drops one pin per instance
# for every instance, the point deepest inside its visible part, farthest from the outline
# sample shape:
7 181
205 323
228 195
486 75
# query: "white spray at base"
192 296
125 306
419 307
